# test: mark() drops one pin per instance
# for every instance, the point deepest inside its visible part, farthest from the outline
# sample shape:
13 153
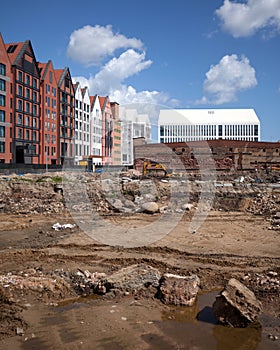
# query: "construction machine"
155 169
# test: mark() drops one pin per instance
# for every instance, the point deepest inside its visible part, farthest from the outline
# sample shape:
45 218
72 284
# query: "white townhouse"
133 125
182 125
82 123
95 130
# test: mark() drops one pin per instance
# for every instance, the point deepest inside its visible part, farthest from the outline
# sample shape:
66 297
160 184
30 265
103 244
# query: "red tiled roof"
13 55
92 99
58 73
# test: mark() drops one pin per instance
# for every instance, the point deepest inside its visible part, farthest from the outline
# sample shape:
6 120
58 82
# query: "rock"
187 206
236 305
150 207
277 215
133 278
178 290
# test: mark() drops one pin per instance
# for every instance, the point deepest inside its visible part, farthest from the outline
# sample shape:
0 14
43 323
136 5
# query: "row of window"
26 134
81 150
50 151
48 90
49 139
208 131
26 78
25 93
27 121
48 102
82 106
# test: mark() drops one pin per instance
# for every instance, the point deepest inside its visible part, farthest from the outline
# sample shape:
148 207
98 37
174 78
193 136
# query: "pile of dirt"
10 316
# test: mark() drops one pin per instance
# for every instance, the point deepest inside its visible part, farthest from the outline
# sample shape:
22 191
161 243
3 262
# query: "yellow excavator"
155 169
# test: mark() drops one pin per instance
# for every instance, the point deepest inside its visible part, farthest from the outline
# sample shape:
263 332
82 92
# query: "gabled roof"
16 50
3 45
92 100
45 68
60 74
76 85
103 101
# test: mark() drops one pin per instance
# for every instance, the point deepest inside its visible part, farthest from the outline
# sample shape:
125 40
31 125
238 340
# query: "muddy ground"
228 244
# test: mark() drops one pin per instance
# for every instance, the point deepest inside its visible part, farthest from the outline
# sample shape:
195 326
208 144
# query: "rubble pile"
264 203
87 283
30 197
34 281
263 283
84 192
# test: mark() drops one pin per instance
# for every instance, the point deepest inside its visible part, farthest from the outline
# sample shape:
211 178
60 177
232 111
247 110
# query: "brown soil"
228 244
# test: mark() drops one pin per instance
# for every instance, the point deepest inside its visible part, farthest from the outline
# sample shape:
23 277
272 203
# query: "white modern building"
96 131
183 125
82 123
133 125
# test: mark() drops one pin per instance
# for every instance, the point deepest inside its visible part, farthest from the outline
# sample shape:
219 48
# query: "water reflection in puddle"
196 328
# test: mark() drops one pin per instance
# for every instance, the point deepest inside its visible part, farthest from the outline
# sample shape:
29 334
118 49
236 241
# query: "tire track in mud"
163 258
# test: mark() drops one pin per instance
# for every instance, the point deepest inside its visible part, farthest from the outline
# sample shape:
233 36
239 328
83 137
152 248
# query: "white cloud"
118 69
245 19
109 80
90 45
224 80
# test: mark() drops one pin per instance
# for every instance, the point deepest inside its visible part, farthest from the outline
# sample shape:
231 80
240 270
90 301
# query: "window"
20 77
220 131
11 48
34 122
27 80
2 85
33 135
2 147
2 101
19 119
34 110
51 77
2 69
20 91
27 134
20 133
34 96
27 121
256 130
2 131
27 107
27 93
54 91
34 83
2 116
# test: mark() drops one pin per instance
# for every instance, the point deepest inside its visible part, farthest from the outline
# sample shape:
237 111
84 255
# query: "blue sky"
180 53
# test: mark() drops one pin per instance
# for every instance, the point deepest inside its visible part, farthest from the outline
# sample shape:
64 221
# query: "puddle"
74 303
196 328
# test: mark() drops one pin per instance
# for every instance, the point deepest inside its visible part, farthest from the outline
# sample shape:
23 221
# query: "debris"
58 226
178 290
236 305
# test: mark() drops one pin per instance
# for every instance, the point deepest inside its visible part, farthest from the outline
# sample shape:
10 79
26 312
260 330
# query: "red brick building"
49 114
5 105
66 115
25 103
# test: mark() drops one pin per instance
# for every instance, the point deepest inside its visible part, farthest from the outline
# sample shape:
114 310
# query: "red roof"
14 49
58 73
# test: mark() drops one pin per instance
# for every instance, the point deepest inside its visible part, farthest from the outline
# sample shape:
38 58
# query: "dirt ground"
228 244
